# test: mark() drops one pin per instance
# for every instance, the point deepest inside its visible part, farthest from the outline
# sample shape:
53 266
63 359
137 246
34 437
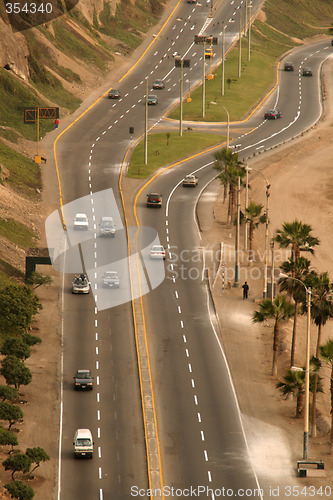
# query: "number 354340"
29 8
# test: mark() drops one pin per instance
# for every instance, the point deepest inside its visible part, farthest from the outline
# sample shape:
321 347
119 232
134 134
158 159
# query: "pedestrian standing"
245 290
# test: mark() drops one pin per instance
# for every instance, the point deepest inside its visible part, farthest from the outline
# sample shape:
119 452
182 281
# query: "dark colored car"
272 114
307 72
114 94
154 200
158 84
288 66
83 380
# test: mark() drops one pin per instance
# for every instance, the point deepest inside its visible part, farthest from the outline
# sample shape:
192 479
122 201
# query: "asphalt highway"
202 441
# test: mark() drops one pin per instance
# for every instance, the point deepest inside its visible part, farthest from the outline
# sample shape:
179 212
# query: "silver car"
111 279
190 180
107 227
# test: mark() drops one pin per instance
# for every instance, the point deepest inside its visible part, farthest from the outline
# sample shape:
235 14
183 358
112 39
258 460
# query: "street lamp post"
236 283
246 205
146 126
249 33
307 367
223 57
268 186
228 127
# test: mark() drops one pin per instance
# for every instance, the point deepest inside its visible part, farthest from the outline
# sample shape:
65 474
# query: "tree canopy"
15 371
11 413
18 305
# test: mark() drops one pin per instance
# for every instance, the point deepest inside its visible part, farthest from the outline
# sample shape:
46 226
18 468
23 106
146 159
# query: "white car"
81 222
190 180
157 252
80 284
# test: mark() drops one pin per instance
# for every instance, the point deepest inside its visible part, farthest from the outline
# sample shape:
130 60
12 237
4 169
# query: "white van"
83 443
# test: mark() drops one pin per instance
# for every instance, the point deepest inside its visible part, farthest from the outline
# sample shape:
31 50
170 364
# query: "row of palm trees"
230 168
297 237
298 272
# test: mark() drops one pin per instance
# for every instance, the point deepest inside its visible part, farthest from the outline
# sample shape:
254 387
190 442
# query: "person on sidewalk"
245 290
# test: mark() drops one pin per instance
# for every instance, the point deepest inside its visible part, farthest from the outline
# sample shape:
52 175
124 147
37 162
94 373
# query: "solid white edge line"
61 412
233 390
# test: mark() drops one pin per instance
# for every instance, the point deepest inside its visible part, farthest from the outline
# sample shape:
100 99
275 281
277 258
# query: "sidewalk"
274 435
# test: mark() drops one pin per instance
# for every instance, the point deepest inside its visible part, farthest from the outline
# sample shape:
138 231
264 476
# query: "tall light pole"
249 33
181 100
272 271
265 295
240 46
246 205
307 367
236 283
228 126
204 80
223 57
146 125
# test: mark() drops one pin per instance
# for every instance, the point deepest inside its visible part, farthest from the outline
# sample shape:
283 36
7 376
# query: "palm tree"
230 168
254 217
223 159
230 178
297 236
298 269
326 352
321 312
294 382
280 310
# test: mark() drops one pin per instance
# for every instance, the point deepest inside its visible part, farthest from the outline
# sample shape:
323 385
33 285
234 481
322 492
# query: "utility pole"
266 241
249 34
146 124
222 68
203 81
181 99
246 205
240 46
236 283
272 270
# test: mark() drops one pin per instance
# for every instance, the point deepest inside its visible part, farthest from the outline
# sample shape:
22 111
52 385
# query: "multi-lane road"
198 420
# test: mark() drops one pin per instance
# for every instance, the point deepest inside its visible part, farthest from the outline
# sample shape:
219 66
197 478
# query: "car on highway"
152 100
190 180
114 94
154 200
307 71
83 443
208 53
157 252
111 279
288 66
272 114
80 284
158 84
107 227
83 380
81 222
